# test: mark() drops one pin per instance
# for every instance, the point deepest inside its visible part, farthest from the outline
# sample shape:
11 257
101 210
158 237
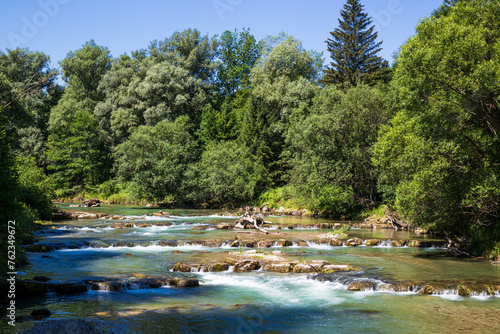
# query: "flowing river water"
257 301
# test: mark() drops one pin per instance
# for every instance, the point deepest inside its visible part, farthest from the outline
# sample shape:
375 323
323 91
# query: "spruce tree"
354 49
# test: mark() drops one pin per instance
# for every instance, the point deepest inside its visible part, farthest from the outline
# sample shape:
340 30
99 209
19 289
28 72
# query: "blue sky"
59 26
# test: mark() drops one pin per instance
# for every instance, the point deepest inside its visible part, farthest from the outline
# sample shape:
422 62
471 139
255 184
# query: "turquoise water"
256 302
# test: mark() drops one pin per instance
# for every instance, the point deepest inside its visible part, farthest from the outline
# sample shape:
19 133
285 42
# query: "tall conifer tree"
354 49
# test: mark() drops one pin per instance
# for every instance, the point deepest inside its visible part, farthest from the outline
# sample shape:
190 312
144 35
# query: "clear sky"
59 26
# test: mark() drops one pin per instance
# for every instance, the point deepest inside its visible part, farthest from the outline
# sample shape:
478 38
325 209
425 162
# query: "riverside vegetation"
226 121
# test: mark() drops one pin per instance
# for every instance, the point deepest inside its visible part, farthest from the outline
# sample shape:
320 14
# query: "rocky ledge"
41 285
460 288
270 263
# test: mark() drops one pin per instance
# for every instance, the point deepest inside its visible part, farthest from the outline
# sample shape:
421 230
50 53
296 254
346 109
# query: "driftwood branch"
252 221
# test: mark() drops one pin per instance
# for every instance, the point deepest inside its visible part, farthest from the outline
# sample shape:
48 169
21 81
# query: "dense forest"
225 121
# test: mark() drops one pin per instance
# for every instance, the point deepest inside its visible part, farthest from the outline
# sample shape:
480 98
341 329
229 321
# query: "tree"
228 174
283 79
77 150
238 53
32 94
354 49
158 160
330 149
191 51
442 149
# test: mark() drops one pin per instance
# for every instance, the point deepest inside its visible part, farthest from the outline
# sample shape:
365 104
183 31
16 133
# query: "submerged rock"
201 227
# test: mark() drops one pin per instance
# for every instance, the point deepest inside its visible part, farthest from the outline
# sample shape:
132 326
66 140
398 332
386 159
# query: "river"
257 301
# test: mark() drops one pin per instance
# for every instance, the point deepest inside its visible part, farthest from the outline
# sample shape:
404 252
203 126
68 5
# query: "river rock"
250 243
163 224
397 243
372 242
354 242
246 265
86 215
229 261
188 283
398 287
201 227
167 243
123 244
212 243
284 267
361 286
216 267
186 268
414 243
266 243
235 243
224 226
161 214
331 268
301 268
335 242
142 225
284 243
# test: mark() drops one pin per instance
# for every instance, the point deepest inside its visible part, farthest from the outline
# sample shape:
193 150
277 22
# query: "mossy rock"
372 242
216 267
266 243
284 243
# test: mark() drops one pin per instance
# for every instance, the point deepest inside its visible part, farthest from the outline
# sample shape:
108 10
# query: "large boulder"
246 265
354 242
185 267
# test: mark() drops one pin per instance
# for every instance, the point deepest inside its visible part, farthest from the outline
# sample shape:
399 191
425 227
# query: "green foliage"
354 50
190 51
441 150
36 190
228 173
28 98
77 155
238 53
158 160
330 149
